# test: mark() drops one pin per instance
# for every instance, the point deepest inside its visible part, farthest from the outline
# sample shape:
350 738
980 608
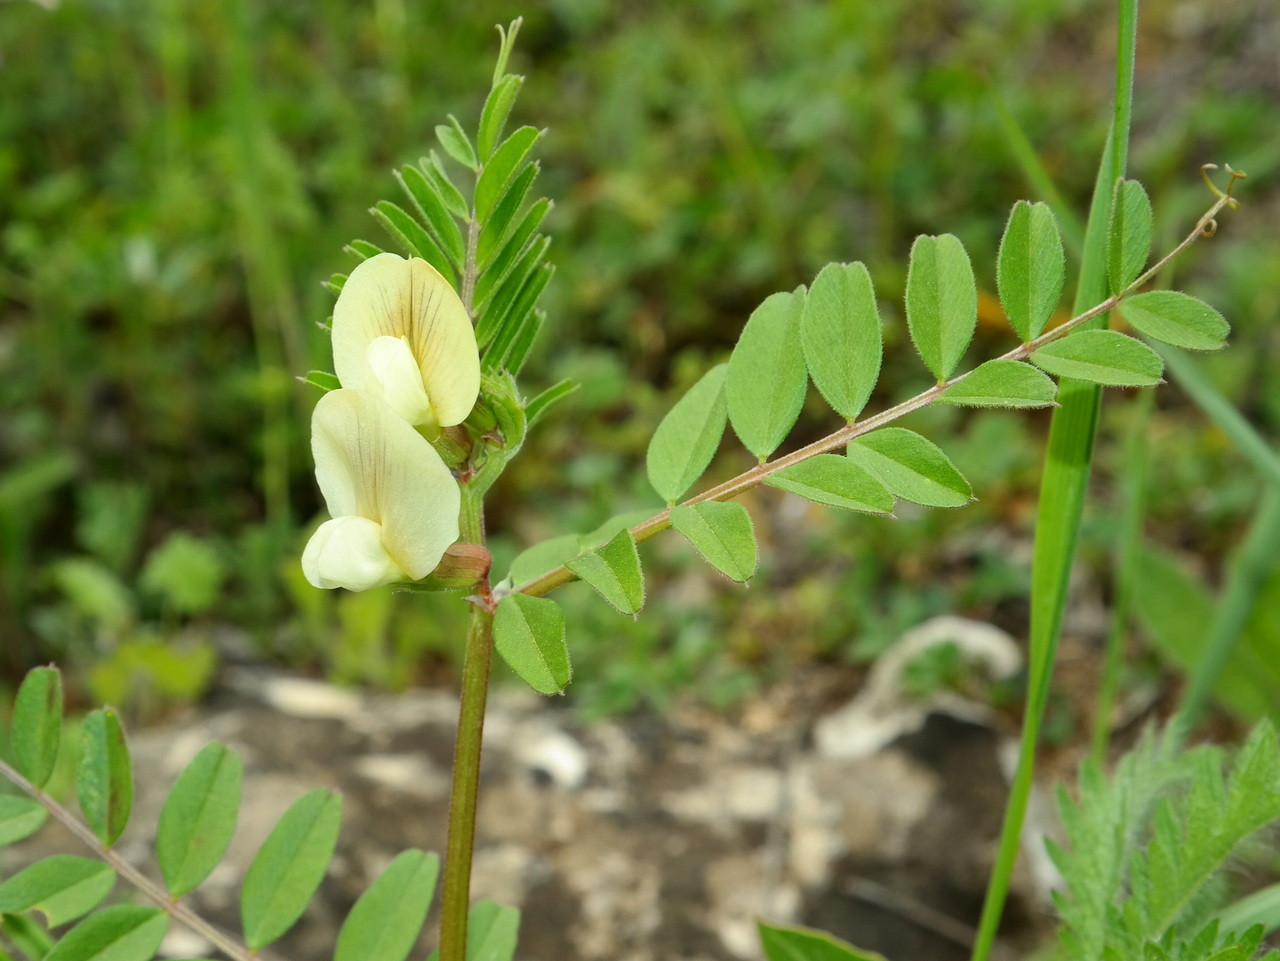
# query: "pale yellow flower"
393 501
401 333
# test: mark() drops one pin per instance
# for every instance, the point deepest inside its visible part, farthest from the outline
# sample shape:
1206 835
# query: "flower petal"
372 464
396 379
389 296
348 552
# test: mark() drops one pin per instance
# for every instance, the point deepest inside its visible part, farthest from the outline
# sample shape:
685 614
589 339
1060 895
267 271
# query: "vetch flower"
401 332
393 501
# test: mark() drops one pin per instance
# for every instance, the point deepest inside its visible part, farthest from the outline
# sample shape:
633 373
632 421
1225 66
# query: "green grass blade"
1066 477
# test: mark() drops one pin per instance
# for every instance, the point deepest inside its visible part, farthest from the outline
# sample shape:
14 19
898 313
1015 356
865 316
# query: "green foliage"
911 467
198 818
37 724
20 817
766 382
1146 846
614 571
385 921
104 782
805 944
62 887
529 633
840 331
1101 357
942 302
687 438
836 481
1129 236
1030 268
1002 383
186 572
124 932
1176 318
722 533
289 867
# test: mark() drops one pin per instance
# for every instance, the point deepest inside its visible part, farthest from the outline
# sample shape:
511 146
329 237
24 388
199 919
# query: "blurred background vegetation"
176 179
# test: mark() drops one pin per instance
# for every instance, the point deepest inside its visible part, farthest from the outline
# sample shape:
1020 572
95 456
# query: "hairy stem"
150 890
839 438
466 783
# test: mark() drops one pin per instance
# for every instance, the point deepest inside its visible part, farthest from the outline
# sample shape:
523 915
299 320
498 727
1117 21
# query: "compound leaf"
497 107
501 168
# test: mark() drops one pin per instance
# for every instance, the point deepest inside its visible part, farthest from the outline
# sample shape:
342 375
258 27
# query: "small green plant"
425 410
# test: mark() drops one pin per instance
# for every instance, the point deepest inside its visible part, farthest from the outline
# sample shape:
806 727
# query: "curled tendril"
1211 227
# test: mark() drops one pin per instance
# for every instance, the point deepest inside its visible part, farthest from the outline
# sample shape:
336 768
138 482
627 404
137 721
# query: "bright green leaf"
62 887
431 208
362 249
1101 357
497 107
529 634
20 817
942 302
384 924
104 781
722 533
289 867
834 480
911 467
186 572
767 380
322 379
537 408
512 253
37 724
688 436
1176 318
199 818
1002 383
495 230
804 944
413 239
544 556
432 168
840 331
125 932
614 572
502 304
501 168
1031 268
1129 236
456 144
491 932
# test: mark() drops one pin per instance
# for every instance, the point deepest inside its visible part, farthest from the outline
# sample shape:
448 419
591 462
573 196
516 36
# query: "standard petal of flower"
397 379
390 296
348 552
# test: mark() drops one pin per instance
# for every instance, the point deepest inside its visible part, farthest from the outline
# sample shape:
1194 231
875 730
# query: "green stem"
466 783
477 660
